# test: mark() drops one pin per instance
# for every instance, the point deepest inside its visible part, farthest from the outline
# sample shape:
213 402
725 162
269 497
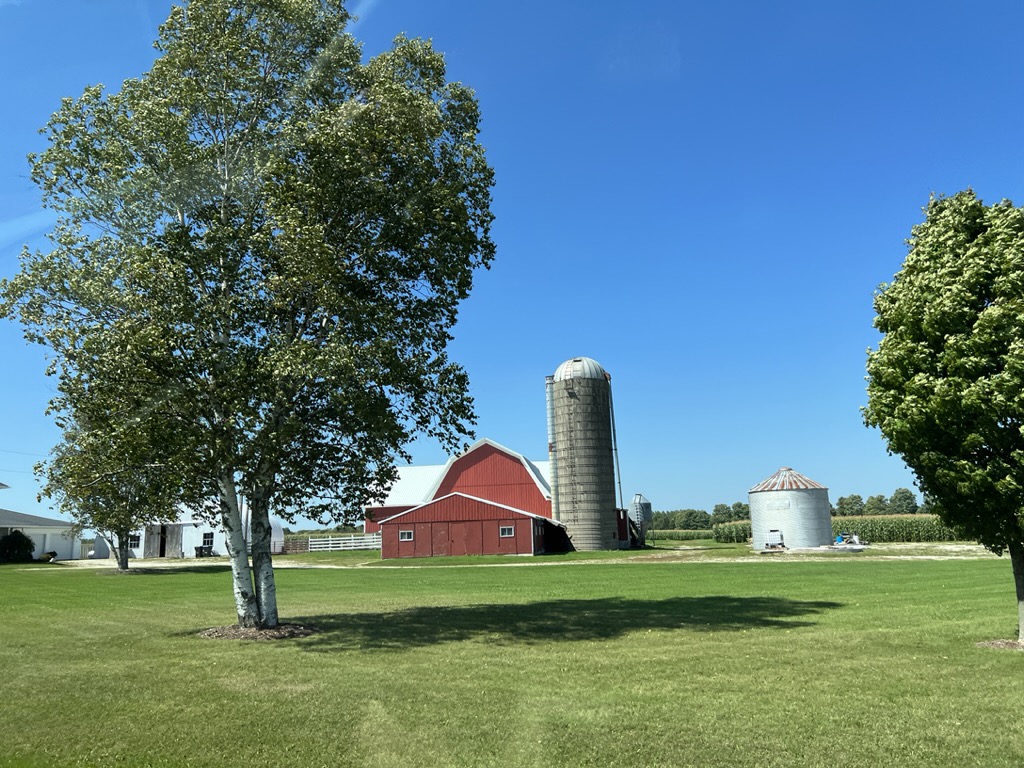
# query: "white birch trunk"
262 563
122 553
118 552
241 576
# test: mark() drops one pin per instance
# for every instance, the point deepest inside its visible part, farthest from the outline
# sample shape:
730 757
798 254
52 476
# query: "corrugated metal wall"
803 516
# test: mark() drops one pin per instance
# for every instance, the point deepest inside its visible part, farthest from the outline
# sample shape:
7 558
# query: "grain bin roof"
786 479
580 368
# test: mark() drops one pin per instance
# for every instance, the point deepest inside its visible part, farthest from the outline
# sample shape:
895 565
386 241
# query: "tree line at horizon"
901 502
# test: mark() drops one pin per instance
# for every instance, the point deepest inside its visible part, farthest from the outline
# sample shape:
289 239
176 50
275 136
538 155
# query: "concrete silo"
580 446
790 510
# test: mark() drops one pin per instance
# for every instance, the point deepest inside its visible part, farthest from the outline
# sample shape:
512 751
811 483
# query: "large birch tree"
946 384
261 248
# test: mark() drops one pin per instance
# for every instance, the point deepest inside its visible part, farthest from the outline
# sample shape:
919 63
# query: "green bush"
737 532
679 535
892 528
16 547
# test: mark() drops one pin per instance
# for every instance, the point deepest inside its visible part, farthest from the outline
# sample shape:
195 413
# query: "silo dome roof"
786 479
580 368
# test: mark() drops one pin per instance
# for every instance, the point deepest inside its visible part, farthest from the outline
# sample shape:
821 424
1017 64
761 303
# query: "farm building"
186 537
48 534
790 510
492 500
489 500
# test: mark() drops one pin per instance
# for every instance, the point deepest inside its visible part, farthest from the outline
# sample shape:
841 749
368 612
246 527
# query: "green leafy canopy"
261 249
946 384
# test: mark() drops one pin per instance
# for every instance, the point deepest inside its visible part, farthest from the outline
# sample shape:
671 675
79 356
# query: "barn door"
439 539
154 541
172 541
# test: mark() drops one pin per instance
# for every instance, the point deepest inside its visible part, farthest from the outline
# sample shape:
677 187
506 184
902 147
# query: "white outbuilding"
186 537
47 534
790 510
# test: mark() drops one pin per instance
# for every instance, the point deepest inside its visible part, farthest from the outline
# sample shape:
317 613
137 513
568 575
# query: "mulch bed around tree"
280 632
1006 645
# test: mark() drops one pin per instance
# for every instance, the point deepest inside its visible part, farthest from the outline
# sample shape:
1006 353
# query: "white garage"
48 534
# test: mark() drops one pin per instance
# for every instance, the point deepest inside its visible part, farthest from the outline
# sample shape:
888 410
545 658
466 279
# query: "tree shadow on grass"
554 620
166 570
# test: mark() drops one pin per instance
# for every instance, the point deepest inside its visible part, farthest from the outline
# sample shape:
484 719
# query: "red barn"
490 500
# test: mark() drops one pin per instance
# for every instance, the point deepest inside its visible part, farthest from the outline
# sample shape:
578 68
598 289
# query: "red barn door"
439 539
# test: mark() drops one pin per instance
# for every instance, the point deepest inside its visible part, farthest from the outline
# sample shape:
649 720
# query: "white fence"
328 543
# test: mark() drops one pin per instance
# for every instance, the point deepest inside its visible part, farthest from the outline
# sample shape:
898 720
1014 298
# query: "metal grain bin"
791 510
642 515
583 468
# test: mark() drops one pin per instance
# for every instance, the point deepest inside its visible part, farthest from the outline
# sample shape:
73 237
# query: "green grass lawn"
629 662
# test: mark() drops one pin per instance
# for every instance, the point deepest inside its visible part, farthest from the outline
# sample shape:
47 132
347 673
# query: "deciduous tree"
270 237
850 506
876 505
105 477
946 384
903 502
692 520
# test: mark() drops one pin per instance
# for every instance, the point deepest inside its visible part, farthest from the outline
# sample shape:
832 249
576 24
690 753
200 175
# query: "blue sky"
701 196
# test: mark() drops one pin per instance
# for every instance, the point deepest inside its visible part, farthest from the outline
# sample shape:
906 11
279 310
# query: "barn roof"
786 479
474 498
417 484
11 519
532 468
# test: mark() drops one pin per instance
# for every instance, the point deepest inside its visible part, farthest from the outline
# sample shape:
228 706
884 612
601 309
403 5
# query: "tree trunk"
262 562
119 551
1016 549
122 552
234 535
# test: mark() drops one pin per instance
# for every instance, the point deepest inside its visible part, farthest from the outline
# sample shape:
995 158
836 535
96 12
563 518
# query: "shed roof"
11 519
786 479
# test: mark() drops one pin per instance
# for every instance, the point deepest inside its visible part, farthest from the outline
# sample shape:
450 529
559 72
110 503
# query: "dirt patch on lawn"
1003 645
280 632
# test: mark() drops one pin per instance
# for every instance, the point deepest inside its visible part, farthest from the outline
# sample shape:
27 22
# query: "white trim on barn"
488 502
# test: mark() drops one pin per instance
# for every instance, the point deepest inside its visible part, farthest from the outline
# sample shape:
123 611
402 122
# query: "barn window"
507 531
134 541
405 535
208 539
